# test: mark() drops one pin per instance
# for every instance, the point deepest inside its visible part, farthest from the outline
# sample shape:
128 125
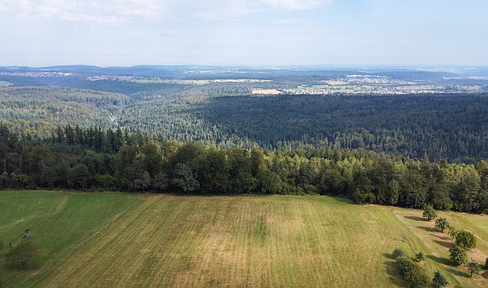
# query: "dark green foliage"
79 176
458 255
22 254
474 268
412 273
429 213
268 182
1 245
439 280
420 256
183 178
144 162
441 224
466 240
398 253
486 264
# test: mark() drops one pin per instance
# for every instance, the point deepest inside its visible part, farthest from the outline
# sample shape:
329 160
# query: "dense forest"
98 159
442 126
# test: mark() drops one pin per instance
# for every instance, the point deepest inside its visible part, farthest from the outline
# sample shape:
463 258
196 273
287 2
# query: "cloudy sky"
244 32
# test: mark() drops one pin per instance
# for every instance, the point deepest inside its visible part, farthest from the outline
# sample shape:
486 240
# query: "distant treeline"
99 159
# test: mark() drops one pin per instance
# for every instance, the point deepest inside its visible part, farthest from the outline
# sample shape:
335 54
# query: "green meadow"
146 240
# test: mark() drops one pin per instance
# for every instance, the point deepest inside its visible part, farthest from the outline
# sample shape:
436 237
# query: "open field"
126 240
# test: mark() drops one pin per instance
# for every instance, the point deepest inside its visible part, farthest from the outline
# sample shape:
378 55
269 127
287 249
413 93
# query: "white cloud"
228 10
90 12
296 4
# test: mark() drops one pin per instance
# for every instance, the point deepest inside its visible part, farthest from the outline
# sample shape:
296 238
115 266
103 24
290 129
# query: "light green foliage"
441 224
429 213
22 254
466 240
453 232
439 280
458 255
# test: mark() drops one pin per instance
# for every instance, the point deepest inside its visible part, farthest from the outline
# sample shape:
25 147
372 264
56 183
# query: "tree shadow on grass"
440 237
392 270
440 260
459 273
416 218
428 229
445 244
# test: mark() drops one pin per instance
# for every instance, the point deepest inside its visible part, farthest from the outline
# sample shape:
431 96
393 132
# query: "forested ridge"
72 157
441 126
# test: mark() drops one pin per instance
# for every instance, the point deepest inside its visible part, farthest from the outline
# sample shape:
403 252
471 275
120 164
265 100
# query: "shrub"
412 273
453 232
458 255
486 264
420 257
22 254
439 280
466 240
398 253
441 224
1 245
429 213
474 268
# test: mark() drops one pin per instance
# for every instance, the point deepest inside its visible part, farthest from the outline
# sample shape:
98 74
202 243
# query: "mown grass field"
126 240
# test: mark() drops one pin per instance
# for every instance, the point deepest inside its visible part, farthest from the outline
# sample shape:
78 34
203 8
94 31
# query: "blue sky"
244 32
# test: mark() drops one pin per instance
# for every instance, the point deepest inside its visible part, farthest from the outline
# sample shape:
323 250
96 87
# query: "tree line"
93 158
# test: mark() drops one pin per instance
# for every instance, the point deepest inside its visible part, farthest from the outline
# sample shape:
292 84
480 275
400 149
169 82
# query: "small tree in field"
453 232
398 253
22 254
439 280
420 257
429 213
458 255
466 240
474 268
441 224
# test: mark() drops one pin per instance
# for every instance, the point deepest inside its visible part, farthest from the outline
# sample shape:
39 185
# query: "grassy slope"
60 223
230 241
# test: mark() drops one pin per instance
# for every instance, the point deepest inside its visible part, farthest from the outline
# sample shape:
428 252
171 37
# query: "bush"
398 253
466 240
22 254
439 280
441 224
458 255
453 232
429 213
1 245
474 268
412 273
420 257
486 264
